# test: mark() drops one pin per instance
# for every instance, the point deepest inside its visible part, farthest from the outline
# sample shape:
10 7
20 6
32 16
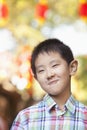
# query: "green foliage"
81 75
81 79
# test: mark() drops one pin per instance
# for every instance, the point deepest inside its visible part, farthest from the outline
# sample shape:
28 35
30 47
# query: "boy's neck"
61 100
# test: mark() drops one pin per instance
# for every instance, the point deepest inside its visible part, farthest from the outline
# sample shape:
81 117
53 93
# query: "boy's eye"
55 65
39 71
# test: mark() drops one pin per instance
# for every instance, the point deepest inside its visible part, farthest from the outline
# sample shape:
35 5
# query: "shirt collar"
70 104
49 102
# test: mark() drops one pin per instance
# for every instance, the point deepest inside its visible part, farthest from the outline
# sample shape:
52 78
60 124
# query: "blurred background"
23 24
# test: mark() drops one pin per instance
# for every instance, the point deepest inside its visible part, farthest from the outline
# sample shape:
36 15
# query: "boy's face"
53 73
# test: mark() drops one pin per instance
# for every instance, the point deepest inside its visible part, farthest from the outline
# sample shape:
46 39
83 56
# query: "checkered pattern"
47 116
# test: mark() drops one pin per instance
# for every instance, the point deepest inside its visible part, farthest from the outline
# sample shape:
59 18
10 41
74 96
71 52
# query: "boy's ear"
73 67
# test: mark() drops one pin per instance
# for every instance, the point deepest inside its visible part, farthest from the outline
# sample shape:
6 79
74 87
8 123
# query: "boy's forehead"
46 54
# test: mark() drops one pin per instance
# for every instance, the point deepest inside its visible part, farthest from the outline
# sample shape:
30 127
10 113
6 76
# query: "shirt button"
60 116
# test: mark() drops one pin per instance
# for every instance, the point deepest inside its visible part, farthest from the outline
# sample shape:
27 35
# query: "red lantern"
41 10
3 13
83 10
3 10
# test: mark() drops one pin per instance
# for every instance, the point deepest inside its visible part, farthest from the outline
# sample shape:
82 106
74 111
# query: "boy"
53 65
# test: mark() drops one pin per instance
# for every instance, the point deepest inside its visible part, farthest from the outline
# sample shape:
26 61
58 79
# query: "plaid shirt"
46 116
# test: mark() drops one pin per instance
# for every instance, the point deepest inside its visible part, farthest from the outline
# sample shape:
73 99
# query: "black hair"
51 45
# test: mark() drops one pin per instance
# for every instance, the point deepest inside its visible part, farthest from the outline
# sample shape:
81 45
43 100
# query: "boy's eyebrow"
39 66
53 61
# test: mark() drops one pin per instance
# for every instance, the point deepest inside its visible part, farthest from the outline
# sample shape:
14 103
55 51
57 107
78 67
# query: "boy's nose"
50 73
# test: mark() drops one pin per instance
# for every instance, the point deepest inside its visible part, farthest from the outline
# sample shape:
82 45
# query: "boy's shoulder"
30 113
38 107
82 107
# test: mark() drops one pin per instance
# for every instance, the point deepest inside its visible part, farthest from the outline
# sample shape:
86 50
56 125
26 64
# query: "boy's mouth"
53 82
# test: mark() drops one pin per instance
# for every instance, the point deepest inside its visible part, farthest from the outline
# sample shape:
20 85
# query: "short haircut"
51 45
